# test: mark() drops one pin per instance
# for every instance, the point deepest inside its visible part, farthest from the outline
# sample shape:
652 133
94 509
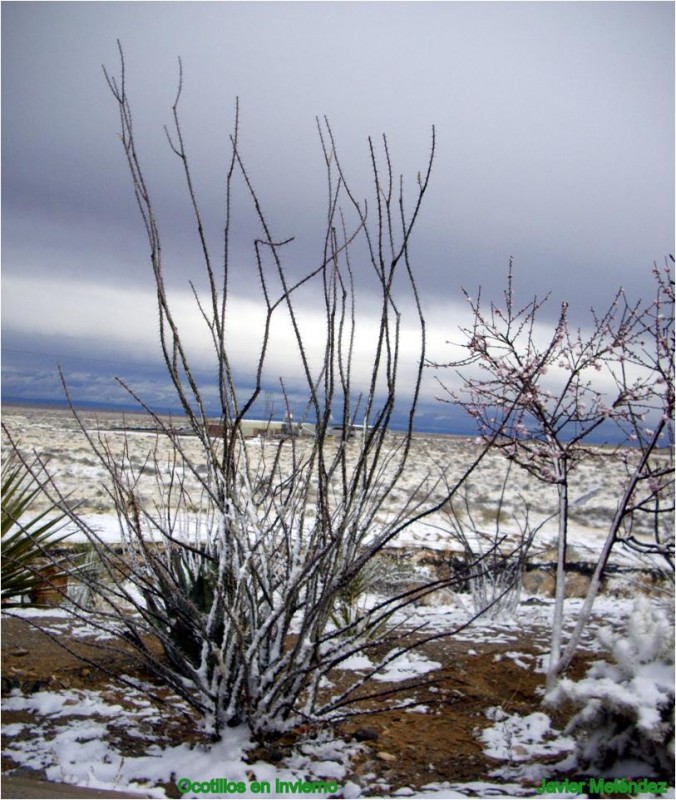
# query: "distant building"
264 427
355 429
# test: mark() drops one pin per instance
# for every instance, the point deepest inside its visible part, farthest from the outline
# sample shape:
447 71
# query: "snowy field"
55 436
69 735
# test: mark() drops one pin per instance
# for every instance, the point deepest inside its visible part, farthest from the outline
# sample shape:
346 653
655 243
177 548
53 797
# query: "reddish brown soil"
411 749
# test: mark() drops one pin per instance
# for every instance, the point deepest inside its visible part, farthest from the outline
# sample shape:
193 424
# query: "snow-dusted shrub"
626 717
497 587
255 544
493 557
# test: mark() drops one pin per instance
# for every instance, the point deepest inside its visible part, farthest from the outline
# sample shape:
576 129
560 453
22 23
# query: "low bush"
625 720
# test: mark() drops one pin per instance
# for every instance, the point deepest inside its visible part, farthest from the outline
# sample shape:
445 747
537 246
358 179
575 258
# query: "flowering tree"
541 397
647 422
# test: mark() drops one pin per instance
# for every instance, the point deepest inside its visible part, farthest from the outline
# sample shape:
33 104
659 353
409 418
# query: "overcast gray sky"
555 145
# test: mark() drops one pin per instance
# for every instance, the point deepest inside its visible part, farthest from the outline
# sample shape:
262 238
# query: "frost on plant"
625 720
248 571
494 558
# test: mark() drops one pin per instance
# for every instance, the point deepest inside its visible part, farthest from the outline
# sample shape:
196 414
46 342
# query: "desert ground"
55 436
466 718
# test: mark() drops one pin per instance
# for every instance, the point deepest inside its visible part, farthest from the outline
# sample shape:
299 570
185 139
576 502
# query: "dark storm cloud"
555 129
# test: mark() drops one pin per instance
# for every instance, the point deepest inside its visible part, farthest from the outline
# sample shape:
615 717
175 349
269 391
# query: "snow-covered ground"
73 735
72 744
55 436
72 731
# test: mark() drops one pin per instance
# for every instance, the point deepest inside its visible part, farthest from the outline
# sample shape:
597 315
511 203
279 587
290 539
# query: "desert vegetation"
543 422
246 572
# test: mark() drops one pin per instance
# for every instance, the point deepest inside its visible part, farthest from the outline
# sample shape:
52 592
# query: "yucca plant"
28 539
188 584
89 570
350 607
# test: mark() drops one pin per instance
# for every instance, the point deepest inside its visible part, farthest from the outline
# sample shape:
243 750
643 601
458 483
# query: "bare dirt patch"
435 740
